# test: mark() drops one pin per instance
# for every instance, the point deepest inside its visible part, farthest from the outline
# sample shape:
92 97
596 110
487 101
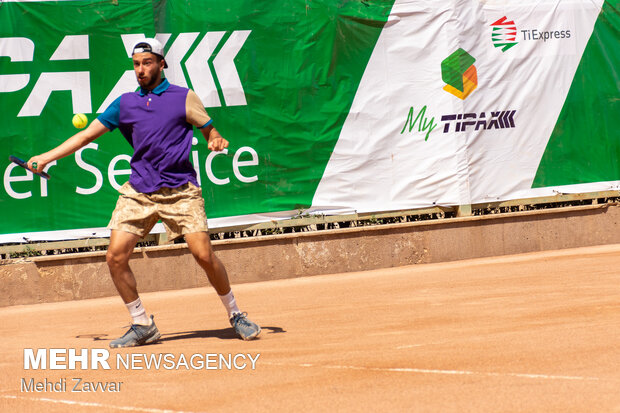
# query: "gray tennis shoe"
245 328
137 335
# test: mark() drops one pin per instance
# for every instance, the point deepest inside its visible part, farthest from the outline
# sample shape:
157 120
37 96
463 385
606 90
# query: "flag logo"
504 34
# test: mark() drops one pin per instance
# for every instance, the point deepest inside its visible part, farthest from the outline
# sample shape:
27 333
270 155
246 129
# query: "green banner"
278 81
330 106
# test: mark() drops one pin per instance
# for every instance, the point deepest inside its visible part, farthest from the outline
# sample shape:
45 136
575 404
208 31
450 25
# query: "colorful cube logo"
459 74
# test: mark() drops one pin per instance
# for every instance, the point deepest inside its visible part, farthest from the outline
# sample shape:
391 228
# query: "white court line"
89 404
447 372
421 344
415 345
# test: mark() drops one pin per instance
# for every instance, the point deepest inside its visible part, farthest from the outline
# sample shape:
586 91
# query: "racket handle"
24 165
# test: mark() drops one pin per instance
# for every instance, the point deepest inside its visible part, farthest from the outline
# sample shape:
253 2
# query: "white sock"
138 313
230 303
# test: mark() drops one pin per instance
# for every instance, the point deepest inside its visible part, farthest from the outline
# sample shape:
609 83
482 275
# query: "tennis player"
157 121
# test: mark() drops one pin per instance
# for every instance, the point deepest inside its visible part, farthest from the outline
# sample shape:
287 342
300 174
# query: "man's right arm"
71 145
106 122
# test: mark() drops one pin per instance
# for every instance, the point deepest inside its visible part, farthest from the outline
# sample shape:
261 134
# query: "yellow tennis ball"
80 120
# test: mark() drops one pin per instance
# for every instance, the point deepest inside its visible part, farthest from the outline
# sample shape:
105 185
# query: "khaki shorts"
182 211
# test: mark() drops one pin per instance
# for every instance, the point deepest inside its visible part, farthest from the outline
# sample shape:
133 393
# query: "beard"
149 80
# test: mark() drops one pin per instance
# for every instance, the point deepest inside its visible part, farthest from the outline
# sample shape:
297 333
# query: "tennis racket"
24 165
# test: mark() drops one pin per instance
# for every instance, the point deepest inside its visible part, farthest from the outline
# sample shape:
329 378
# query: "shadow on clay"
222 333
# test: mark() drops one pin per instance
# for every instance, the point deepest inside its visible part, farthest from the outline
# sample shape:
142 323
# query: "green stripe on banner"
585 144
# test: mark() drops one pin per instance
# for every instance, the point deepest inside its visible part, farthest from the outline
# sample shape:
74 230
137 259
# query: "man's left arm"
215 141
196 115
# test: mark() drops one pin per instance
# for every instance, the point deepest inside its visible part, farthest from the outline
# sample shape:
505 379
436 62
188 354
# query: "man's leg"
121 247
143 329
199 245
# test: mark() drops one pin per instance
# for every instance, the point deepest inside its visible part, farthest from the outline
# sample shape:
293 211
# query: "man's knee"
205 256
200 247
116 258
120 249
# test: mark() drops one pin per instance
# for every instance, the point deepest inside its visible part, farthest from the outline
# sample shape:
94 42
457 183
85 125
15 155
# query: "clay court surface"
527 333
